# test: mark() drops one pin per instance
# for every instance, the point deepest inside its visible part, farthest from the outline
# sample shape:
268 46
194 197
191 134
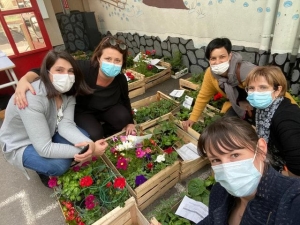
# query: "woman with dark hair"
30 137
248 190
277 120
108 109
226 75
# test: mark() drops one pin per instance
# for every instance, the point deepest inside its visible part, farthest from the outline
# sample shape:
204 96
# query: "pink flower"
52 182
148 150
139 153
123 138
94 158
113 150
153 52
122 164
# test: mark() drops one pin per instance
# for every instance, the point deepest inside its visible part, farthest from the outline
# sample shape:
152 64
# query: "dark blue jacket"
277 201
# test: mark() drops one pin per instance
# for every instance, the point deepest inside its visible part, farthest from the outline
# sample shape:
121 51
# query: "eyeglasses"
260 88
113 42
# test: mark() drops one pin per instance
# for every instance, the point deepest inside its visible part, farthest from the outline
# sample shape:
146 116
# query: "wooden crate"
186 167
154 98
128 215
140 82
188 85
137 92
154 187
137 87
159 77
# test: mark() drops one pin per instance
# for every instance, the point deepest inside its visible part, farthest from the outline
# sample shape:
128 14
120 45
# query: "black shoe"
44 179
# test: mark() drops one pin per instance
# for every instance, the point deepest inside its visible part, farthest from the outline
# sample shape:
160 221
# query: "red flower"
150 165
218 96
130 75
169 150
148 52
86 181
108 185
119 182
149 67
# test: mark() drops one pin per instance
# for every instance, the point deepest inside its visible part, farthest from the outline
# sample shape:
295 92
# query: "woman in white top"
28 135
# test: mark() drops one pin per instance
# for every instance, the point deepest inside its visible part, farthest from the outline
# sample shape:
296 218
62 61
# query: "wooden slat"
2 114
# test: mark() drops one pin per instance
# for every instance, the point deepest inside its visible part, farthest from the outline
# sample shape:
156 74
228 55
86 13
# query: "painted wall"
200 20
267 28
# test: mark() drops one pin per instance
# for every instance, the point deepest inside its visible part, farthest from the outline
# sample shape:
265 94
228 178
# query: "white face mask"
220 68
63 82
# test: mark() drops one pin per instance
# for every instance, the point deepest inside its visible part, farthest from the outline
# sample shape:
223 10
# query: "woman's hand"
100 147
88 154
186 124
20 98
130 129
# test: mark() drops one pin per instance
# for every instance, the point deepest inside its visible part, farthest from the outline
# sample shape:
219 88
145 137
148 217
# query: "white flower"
131 138
127 145
120 147
160 158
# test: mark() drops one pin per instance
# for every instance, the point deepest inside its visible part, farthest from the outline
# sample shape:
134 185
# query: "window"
20 30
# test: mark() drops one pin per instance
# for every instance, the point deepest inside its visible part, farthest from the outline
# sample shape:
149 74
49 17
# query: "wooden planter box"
188 85
137 87
128 215
159 77
154 98
154 187
187 167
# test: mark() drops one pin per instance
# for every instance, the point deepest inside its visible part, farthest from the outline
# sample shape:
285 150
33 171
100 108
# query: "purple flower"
140 179
148 157
113 150
114 138
90 198
139 145
85 164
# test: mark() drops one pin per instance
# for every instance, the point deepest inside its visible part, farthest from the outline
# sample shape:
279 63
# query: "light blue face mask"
260 100
110 69
239 178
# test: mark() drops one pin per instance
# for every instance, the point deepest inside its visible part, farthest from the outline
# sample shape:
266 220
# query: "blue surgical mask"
260 100
239 178
110 69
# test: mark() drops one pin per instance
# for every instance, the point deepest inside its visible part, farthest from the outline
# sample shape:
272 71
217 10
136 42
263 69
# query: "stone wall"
194 58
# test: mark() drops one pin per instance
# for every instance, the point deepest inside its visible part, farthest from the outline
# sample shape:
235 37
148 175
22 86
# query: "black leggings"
103 124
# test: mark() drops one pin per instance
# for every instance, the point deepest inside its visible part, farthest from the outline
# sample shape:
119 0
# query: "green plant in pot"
176 62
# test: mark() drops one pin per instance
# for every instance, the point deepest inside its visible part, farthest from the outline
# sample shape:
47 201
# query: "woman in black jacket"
277 119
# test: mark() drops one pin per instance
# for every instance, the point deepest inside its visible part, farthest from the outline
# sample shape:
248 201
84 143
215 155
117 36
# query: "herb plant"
154 110
197 78
175 61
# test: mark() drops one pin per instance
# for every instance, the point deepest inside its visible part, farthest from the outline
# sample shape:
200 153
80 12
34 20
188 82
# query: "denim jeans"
48 166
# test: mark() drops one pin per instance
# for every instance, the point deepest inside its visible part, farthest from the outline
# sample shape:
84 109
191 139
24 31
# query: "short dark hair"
228 133
79 87
105 43
218 43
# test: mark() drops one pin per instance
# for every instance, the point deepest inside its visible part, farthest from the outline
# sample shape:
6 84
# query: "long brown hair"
79 87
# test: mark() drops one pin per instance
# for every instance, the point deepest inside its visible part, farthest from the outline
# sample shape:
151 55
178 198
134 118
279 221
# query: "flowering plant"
88 192
217 101
130 77
138 161
143 65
